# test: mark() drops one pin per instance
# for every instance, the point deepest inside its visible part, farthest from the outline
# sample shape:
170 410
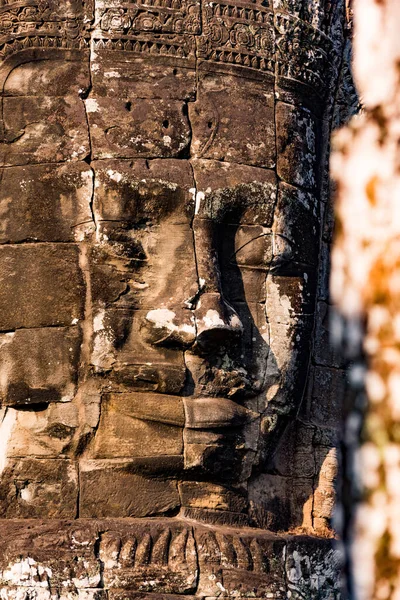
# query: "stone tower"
163 174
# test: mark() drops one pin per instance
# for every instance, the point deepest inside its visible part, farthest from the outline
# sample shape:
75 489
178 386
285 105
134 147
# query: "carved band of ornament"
144 550
160 47
165 20
15 46
232 33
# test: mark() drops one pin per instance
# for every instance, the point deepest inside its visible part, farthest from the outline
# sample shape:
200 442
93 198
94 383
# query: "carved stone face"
203 314
168 212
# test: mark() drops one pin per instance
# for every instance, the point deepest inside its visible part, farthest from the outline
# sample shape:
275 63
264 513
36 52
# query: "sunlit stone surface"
163 200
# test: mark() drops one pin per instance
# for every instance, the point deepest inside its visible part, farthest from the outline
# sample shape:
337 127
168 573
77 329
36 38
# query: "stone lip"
213 413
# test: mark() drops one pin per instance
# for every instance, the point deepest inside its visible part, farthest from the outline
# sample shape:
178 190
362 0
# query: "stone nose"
217 324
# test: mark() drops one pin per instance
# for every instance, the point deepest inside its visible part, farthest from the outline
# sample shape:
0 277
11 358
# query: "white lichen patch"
164 318
26 573
6 429
200 196
161 317
212 318
112 74
114 175
103 343
92 105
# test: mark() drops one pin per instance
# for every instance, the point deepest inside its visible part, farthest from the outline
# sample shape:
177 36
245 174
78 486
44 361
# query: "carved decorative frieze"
237 33
255 36
44 24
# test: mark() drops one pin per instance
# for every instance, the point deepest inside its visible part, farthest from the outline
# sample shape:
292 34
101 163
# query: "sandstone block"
232 120
297 223
139 425
137 128
43 130
296 145
295 456
49 78
290 296
38 488
112 490
45 203
39 365
327 397
281 503
122 195
46 280
119 77
198 494
288 360
41 433
325 353
235 193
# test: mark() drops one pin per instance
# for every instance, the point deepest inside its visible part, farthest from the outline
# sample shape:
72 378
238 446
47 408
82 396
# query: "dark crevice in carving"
96 550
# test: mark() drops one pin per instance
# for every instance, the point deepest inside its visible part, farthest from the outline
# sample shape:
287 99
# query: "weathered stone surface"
296 146
47 432
50 292
43 555
326 354
297 224
51 203
139 424
137 191
124 77
153 558
280 503
234 193
314 572
295 456
233 121
110 489
324 273
43 130
157 560
38 488
326 402
49 78
247 565
289 362
137 128
290 295
39 365
325 492
198 494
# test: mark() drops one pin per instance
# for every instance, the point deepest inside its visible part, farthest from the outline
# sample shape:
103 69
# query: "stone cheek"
61 210
39 488
41 286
